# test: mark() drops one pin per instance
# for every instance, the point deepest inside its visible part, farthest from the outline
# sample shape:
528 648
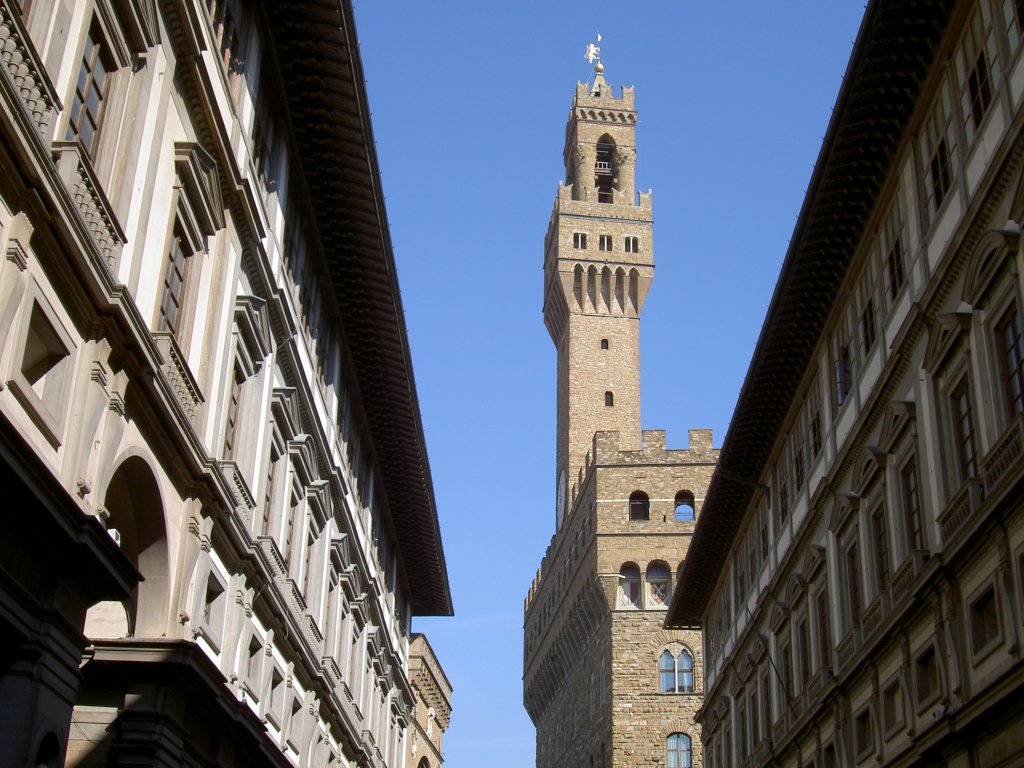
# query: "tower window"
685 509
604 343
639 506
579 241
605 243
609 399
632 245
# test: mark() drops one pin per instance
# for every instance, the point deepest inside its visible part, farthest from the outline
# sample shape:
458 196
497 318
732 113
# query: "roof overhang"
890 58
317 49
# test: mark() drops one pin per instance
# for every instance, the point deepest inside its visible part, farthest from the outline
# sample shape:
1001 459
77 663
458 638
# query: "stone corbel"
13 271
100 465
87 419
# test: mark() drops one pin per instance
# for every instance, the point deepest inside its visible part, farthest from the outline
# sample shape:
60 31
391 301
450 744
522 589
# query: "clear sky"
469 102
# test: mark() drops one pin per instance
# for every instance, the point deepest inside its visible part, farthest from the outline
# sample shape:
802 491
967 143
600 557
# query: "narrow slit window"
609 399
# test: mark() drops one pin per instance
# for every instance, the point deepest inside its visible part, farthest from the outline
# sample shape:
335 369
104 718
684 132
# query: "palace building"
220 518
858 567
603 682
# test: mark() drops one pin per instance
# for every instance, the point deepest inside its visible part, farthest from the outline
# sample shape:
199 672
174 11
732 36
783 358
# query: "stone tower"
603 682
598 264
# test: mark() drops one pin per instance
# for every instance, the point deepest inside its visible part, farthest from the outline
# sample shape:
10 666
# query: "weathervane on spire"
593 51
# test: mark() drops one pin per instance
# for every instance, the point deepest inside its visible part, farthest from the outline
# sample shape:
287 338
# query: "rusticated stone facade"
432 706
596 682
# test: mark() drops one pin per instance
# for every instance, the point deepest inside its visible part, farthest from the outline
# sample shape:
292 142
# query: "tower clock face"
560 503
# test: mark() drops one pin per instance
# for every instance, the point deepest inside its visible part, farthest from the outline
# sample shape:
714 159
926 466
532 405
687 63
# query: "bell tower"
598 266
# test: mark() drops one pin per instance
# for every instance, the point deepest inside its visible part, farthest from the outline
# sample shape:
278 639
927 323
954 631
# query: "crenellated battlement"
601 96
607 449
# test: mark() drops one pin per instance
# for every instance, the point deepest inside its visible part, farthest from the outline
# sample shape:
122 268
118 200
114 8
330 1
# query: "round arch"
136 521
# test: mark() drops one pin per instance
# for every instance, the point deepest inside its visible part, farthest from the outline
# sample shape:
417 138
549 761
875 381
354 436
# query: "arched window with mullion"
684 673
675 673
680 754
667 673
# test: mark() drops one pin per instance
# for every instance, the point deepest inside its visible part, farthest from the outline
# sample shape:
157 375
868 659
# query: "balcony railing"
273 554
240 493
1004 458
903 579
847 647
964 504
25 70
873 614
75 169
179 375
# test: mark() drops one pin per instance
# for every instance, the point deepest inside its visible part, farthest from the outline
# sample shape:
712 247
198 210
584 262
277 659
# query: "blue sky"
469 103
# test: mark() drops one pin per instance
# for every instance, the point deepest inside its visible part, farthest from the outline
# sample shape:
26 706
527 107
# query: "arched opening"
684 671
679 751
592 286
639 506
136 522
675 672
629 586
634 290
657 585
609 399
604 169
423 763
685 509
48 754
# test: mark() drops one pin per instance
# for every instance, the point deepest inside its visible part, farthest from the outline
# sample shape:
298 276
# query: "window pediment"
200 205
254 332
339 553
284 407
947 334
795 588
303 458
140 22
777 616
992 253
814 558
318 500
873 460
898 418
846 505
